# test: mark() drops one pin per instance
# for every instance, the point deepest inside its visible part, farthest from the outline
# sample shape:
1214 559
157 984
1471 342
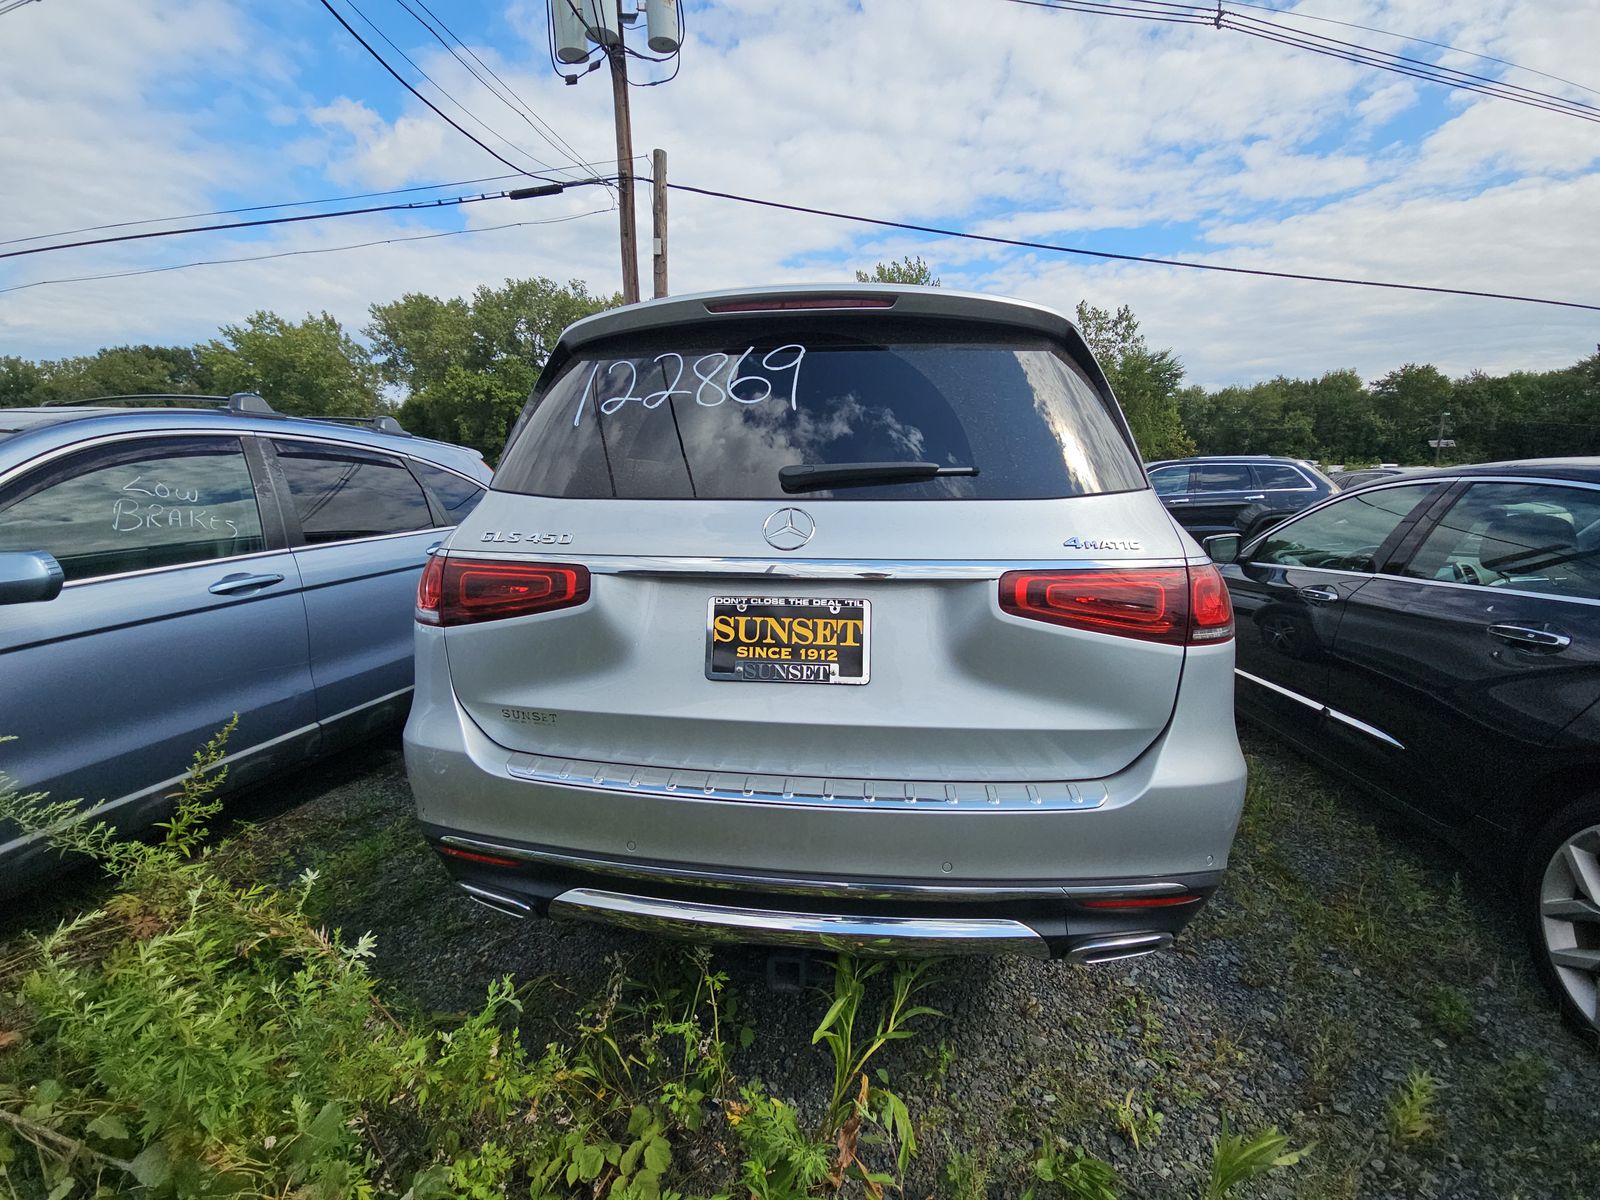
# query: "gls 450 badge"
528 539
1078 543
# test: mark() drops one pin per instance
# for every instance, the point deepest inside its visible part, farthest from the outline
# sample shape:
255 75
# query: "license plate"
788 639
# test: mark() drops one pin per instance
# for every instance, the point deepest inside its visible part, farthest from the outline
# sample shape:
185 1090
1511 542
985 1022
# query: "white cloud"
1058 127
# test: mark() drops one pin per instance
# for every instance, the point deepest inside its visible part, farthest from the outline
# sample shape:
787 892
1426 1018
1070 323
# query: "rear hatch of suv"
878 536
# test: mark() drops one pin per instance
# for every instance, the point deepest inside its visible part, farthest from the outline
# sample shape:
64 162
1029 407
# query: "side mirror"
1222 547
29 576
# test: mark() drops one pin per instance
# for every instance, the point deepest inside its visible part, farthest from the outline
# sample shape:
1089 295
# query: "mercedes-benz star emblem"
789 528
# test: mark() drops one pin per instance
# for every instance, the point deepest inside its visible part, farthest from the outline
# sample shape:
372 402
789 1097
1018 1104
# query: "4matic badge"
528 539
1078 543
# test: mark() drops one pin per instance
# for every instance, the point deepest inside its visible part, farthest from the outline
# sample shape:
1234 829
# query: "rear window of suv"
714 412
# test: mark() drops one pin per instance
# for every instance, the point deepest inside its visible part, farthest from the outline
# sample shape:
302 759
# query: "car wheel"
1561 901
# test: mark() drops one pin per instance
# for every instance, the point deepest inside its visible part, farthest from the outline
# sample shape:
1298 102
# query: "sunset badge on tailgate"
788 639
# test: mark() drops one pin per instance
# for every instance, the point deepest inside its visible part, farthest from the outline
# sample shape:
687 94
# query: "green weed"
1137 1120
1071 1171
1447 1011
1411 1114
783 1163
1237 1159
966 1173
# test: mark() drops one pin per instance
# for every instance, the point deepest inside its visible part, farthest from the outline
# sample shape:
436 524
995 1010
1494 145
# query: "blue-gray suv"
164 568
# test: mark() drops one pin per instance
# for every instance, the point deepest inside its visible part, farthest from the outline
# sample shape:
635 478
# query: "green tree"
19 381
472 408
115 371
1409 401
1263 418
1345 424
467 366
1144 381
310 368
907 270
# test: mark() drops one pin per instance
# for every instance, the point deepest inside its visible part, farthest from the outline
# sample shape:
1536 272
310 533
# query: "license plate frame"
783 661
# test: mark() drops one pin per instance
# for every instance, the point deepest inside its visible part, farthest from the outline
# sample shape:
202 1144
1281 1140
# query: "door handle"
1319 595
229 584
1542 641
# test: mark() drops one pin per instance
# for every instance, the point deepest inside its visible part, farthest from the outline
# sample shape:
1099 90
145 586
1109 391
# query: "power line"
403 82
413 206
1199 16
504 92
412 63
228 212
1220 18
1435 72
1139 258
1296 15
992 239
212 262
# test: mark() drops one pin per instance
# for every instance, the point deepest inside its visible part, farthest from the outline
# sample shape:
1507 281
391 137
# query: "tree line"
460 369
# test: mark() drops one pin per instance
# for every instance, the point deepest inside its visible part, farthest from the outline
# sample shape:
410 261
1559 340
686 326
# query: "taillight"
1176 605
429 589
1210 607
461 591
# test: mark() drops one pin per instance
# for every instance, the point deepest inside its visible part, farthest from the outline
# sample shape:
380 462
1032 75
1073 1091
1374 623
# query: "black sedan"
1437 637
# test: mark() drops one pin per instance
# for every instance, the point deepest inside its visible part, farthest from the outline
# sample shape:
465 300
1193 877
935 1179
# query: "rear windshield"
713 413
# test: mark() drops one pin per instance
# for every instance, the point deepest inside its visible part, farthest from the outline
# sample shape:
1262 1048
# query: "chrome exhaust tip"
1122 945
506 905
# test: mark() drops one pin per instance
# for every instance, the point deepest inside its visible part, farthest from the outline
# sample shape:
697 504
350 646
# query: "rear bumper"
865 916
967 873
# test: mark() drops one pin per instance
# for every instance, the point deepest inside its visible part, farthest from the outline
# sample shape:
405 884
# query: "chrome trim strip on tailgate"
805 791
861 934
661 566
797 886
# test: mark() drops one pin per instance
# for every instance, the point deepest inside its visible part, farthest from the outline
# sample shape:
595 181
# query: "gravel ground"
1342 954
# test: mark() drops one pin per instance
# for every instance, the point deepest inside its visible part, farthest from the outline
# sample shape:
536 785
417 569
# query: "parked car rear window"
133 506
456 495
342 493
1218 477
1279 475
715 413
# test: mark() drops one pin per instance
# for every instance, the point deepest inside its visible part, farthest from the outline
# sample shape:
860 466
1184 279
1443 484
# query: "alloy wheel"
1569 919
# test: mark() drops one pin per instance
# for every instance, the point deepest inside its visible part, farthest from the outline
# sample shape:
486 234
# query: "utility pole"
618 55
658 219
579 28
1438 445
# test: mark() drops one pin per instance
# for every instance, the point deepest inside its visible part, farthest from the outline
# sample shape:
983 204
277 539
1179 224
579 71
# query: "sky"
1077 129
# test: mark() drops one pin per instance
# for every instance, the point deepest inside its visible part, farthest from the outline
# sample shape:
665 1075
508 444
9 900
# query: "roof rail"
243 403
383 424
239 402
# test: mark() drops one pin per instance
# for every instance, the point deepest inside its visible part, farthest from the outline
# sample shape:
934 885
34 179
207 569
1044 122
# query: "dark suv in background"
1244 494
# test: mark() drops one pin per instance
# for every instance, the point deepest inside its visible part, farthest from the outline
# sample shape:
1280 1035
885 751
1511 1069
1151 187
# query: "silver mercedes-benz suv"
833 616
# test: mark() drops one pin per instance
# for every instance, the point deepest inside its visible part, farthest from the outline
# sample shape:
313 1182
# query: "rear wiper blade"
810 477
